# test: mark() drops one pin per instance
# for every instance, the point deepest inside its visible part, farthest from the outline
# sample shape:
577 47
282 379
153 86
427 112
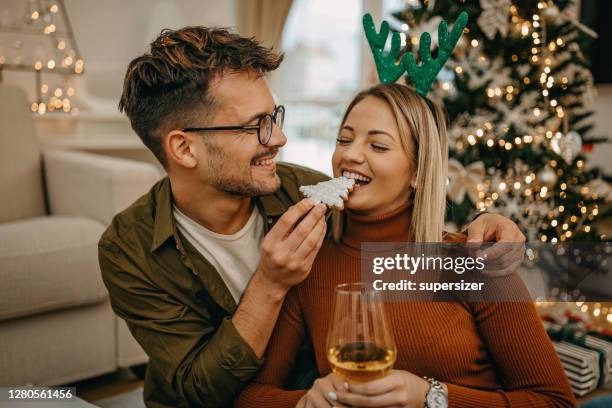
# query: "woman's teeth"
357 177
265 162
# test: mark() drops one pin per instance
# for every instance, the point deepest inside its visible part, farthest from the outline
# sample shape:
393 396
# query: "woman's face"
369 149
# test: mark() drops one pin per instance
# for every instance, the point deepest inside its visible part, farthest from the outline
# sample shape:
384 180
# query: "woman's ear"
413 183
180 149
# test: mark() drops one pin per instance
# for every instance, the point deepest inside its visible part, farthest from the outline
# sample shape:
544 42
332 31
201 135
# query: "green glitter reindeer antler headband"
421 76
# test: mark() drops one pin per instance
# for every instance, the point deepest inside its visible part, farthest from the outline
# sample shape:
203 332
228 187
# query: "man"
200 265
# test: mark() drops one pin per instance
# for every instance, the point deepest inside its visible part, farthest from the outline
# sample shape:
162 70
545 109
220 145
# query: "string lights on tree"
518 96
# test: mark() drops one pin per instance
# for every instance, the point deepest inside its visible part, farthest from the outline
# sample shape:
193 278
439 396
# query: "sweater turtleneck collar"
393 226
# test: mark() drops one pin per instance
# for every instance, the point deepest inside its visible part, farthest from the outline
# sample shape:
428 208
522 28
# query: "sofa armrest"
94 186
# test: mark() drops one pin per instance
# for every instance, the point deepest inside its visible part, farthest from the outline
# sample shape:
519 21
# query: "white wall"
111 33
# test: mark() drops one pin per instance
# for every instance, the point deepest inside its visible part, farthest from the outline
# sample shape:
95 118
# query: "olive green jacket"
176 304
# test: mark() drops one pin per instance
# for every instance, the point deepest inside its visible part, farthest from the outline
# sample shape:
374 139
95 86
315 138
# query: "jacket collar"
164 227
269 205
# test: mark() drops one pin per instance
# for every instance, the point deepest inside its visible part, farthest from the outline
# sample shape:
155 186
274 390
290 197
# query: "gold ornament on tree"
464 180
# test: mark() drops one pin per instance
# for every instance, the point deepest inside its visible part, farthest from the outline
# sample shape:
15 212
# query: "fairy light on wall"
47 19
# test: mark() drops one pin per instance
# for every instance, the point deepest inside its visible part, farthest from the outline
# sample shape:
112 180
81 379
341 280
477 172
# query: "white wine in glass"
360 345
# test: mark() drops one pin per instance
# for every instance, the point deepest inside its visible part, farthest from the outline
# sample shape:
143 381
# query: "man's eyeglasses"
263 126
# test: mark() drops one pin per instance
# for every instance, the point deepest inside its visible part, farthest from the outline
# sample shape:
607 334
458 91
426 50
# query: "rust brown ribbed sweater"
489 354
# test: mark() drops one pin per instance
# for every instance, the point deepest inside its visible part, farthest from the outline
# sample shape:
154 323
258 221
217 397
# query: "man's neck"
213 209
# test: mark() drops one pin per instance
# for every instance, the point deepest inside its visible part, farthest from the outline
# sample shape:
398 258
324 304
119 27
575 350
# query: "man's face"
234 161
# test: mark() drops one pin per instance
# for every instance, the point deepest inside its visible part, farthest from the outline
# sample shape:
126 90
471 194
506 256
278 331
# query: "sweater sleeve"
267 388
530 369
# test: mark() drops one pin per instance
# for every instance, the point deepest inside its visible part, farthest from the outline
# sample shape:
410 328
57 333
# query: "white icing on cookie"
331 192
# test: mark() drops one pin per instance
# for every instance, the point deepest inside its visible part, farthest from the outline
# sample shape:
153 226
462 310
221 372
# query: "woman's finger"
376 387
339 383
318 400
382 400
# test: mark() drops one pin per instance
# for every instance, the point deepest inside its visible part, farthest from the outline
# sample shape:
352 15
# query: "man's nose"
278 138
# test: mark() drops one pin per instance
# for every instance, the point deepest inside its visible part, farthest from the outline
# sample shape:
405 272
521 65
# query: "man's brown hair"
167 88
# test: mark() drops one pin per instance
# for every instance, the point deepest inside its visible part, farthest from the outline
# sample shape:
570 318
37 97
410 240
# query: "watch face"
437 399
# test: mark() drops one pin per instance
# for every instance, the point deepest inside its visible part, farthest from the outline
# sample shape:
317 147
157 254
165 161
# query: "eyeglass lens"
265 124
265 129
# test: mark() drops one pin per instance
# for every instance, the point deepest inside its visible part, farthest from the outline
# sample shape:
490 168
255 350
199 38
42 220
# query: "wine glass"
360 345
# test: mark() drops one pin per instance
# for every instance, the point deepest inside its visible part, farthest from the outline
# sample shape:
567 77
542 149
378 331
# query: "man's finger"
500 251
477 230
489 227
286 222
505 264
507 231
494 252
312 243
504 261
499 272
304 228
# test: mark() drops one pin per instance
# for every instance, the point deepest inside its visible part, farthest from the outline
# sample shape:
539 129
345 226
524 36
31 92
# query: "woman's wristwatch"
436 396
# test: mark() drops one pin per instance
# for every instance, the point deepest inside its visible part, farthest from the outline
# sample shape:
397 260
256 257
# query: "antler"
388 70
422 76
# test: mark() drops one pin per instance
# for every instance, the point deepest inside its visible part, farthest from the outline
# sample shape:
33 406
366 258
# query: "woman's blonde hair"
415 119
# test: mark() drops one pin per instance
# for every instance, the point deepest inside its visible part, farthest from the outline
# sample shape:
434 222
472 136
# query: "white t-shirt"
234 256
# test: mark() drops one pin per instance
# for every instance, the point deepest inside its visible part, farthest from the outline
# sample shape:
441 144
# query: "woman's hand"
397 389
323 394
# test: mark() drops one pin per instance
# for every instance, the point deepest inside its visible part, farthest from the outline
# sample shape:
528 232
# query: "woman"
393 142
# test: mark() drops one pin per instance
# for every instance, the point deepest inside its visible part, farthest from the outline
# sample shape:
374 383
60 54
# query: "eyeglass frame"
273 118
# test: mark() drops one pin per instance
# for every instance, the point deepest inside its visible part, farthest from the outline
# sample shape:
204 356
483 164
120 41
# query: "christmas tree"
517 90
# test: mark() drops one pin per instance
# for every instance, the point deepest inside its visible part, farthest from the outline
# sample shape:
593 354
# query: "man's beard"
226 175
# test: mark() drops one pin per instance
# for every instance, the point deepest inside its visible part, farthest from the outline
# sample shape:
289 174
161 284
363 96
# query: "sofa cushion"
49 263
21 186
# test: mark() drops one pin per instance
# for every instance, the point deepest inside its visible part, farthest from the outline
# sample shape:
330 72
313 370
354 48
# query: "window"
322 69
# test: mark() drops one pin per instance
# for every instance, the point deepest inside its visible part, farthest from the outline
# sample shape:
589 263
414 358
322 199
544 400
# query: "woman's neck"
393 226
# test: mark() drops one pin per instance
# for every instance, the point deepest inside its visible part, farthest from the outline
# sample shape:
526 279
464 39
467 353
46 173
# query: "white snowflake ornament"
494 17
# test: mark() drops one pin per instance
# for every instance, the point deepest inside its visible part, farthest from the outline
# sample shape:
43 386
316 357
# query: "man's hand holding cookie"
289 249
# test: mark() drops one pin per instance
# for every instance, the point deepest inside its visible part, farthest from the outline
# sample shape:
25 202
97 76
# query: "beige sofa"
56 324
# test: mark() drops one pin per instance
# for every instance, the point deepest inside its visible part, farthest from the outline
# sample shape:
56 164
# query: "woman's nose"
354 153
